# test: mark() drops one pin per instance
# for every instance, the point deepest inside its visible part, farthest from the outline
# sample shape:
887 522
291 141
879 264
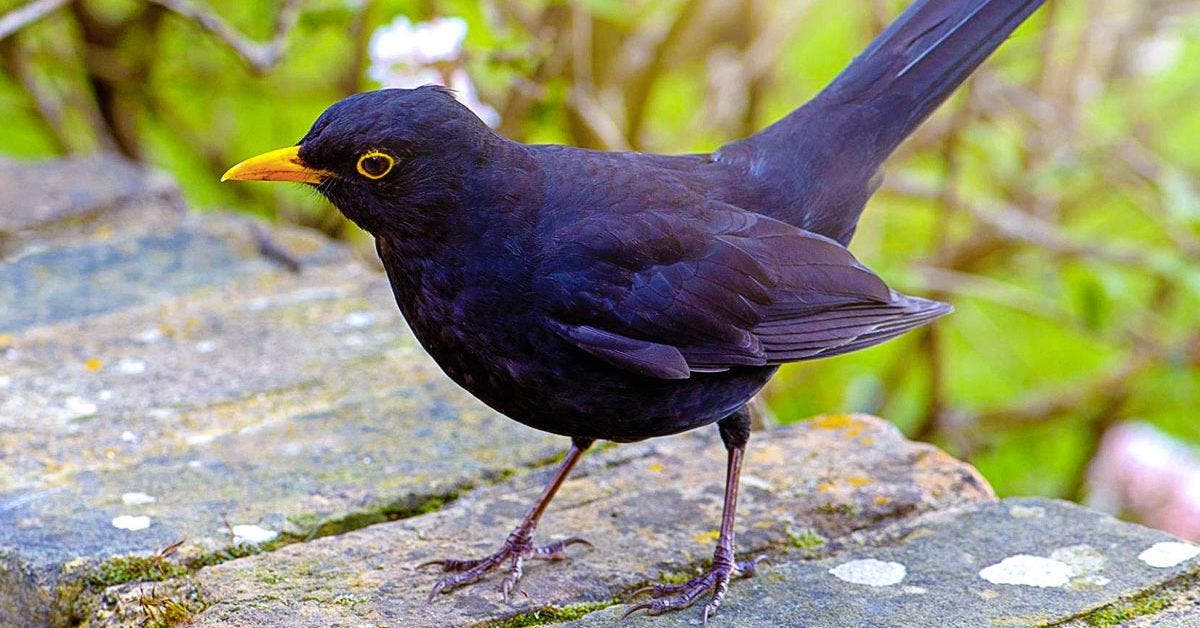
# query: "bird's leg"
519 544
735 432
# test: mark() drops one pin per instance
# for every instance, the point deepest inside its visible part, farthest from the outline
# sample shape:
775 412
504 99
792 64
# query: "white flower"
424 43
407 55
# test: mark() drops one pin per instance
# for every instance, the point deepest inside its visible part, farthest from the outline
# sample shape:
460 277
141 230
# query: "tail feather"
936 45
821 160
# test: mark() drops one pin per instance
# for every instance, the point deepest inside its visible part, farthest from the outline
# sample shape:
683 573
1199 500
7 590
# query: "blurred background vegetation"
1055 200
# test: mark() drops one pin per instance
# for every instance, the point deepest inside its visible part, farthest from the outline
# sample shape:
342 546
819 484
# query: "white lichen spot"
1025 512
150 335
252 534
871 572
1083 558
136 499
129 437
1168 554
302 295
201 439
78 407
358 320
106 395
911 590
206 346
131 366
1087 562
1030 571
756 482
1089 582
131 522
5 381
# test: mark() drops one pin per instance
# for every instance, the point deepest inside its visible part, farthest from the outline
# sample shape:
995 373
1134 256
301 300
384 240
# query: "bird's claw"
557 550
514 551
674 597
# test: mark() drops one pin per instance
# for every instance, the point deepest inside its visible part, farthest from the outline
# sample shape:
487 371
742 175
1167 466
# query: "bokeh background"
1055 200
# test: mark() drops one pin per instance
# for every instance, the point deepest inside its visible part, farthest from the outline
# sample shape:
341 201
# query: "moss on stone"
164 611
391 511
675 577
1126 610
233 552
842 509
77 596
548 615
122 569
805 538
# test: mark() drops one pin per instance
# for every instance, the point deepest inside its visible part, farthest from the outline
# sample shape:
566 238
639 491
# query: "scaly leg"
519 544
735 432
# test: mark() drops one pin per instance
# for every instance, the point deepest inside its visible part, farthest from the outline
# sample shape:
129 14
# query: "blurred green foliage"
1054 201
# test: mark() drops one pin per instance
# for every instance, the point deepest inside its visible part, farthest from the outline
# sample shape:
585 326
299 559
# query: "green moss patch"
1121 612
805 538
122 569
391 511
548 615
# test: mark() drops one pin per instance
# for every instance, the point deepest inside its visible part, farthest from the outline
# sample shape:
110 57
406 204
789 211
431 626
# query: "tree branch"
260 57
17 19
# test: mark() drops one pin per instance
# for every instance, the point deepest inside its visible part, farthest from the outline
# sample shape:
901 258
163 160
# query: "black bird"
622 296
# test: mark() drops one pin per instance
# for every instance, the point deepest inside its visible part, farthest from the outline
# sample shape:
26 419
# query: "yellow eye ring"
375 165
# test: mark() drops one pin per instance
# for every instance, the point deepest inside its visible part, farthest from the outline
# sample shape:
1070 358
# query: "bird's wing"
667 294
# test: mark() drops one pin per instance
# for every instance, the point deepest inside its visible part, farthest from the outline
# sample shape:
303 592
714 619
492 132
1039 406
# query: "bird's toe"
674 597
514 552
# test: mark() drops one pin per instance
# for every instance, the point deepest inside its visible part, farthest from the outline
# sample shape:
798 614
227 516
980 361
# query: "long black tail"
825 155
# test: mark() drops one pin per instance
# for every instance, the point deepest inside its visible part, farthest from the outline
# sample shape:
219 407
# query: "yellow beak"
278 165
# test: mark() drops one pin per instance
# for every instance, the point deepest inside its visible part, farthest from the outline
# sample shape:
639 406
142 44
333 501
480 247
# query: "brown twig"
643 59
46 104
259 57
582 100
17 19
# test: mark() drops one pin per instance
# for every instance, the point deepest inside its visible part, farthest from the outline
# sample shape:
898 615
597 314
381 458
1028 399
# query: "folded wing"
668 294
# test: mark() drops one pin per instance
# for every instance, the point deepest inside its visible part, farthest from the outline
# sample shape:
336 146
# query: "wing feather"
666 295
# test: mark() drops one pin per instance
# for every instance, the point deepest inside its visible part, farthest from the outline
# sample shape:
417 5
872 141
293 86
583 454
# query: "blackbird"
623 295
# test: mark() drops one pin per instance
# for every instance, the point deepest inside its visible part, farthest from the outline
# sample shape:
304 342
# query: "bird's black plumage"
622 296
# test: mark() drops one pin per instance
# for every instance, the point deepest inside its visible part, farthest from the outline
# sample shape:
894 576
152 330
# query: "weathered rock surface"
650 509
167 360
162 380
1018 562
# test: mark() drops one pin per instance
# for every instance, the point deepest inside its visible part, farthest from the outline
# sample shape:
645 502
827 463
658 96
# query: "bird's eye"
374 165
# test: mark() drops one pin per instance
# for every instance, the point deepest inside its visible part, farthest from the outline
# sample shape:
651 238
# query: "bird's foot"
674 597
517 547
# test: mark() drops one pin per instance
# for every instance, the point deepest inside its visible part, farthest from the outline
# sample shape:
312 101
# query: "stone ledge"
651 509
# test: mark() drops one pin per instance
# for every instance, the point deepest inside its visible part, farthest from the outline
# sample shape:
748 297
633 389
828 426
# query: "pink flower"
1141 471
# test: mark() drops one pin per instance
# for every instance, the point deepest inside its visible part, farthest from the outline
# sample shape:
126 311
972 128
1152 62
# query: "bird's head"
388 159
